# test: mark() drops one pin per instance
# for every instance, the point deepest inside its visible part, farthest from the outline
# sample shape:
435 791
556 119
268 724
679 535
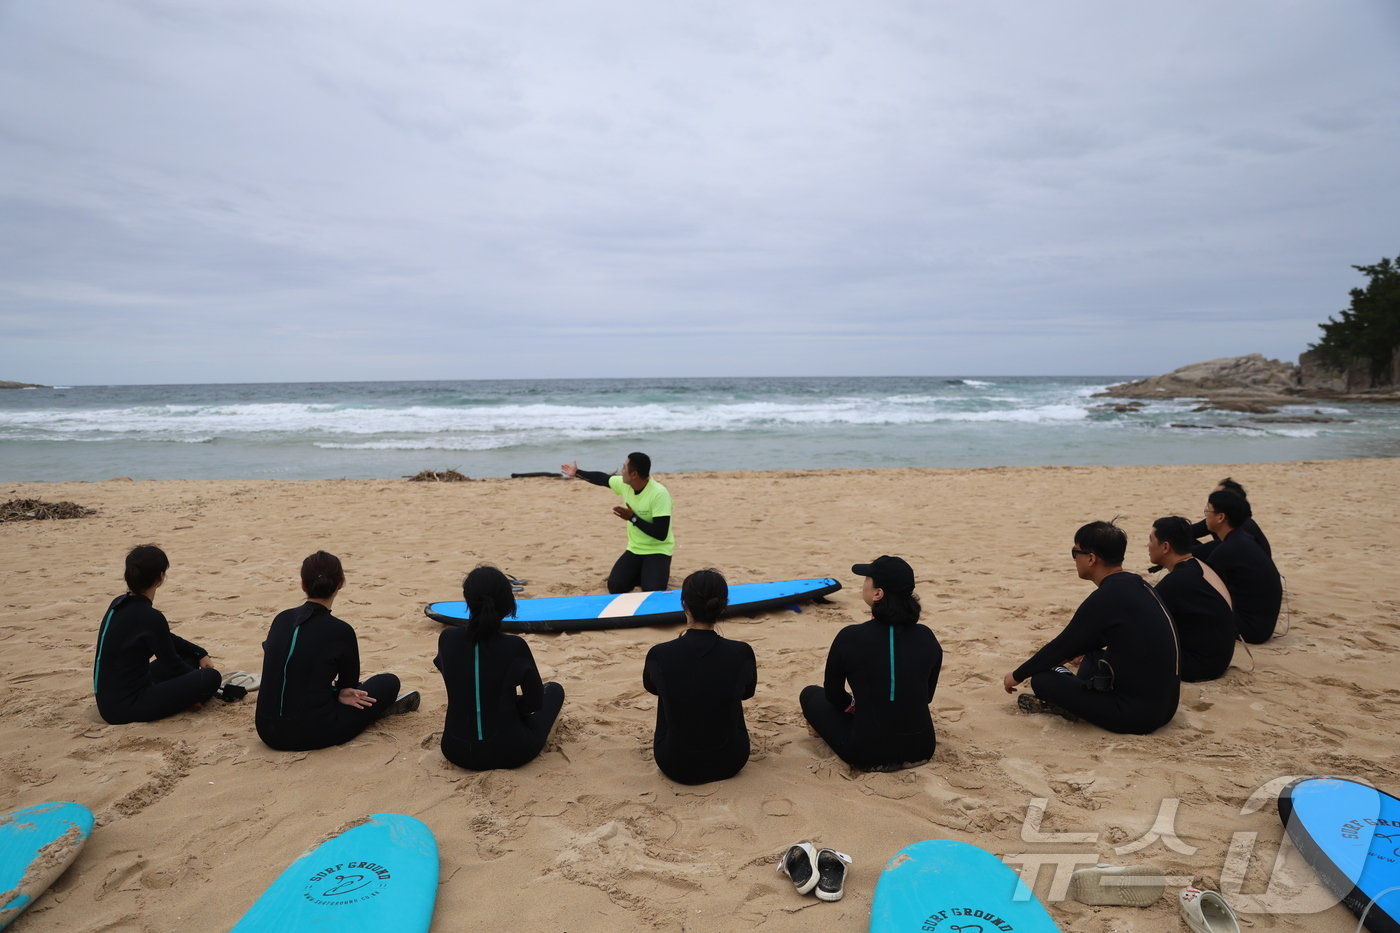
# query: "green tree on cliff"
1370 328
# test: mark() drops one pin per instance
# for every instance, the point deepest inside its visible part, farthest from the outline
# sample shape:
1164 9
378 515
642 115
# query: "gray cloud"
436 191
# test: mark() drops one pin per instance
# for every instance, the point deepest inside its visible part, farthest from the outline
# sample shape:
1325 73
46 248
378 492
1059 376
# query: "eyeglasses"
1076 552
1211 511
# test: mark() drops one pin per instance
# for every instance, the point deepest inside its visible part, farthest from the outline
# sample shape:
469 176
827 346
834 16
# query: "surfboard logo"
346 883
965 920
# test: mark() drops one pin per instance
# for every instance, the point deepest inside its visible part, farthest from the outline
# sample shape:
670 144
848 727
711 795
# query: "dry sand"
196 816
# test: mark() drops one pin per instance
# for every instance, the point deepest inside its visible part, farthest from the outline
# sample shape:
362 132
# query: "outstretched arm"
572 471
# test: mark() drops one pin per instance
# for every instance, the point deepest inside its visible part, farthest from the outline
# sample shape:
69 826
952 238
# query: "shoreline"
183 804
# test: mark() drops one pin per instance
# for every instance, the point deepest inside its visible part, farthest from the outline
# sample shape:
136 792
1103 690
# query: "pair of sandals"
1141 886
810 869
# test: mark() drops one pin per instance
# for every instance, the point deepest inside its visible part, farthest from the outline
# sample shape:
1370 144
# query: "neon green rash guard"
653 502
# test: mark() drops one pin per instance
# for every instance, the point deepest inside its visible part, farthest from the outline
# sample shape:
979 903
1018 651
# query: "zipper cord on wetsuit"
281 700
476 684
1361 920
1171 623
101 637
891 663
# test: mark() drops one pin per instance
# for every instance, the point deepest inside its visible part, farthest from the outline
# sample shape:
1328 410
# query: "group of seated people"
1133 644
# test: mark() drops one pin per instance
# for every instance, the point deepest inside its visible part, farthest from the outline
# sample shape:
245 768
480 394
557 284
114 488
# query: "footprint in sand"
777 806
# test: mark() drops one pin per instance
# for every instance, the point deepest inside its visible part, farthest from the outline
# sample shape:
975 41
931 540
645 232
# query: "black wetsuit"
1204 549
702 680
130 687
308 658
891 724
1204 621
488 724
1123 625
1255 586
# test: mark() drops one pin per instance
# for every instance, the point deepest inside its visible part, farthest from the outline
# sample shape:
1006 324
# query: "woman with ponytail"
311 694
701 680
129 686
891 665
499 714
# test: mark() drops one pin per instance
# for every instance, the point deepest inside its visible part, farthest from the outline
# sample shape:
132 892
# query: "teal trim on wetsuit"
476 685
282 700
101 637
891 663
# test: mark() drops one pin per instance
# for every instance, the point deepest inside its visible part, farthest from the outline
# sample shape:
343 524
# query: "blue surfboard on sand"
628 610
1349 833
36 844
942 886
378 874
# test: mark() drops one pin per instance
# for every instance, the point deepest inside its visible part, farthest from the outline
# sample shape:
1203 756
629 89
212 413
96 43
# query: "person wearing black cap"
1129 680
891 664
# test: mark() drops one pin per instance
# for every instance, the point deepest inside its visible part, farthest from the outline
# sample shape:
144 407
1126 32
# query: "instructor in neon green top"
646 507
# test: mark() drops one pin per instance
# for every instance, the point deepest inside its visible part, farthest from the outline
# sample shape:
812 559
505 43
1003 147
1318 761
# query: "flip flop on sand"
249 682
1117 885
1207 912
831 874
799 863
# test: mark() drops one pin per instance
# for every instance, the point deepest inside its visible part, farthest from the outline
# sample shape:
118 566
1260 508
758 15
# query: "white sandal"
247 681
1207 912
831 874
1117 885
799 863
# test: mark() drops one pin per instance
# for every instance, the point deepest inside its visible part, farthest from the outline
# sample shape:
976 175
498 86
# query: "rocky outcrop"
21 385
1318 377
1236 380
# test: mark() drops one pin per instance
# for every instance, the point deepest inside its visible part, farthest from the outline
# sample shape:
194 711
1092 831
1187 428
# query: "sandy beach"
196 817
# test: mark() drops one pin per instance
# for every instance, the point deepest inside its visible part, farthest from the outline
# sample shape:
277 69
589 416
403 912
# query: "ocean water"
495 428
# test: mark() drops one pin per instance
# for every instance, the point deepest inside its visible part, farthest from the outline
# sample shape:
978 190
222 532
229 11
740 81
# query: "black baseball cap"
892 574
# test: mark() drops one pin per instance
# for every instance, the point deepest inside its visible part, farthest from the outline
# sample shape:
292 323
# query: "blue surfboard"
36 844
628 610
379 874
943 886
1350 834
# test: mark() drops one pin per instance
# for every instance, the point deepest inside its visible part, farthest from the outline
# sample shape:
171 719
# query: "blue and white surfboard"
627 610
36 845
1350 834
944 886
380 874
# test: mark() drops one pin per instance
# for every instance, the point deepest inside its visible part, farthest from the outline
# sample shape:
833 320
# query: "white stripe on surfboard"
623 605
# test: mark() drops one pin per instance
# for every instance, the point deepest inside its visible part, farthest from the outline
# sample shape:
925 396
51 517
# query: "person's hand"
353 696
569 469
623 512
206 661
1010 682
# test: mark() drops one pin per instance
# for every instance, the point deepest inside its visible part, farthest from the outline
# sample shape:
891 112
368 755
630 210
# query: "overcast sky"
245 190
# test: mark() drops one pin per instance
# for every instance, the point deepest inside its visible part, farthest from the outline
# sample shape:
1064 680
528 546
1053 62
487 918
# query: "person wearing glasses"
1197 598
891 664
1129 677
1250 527
1254 582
